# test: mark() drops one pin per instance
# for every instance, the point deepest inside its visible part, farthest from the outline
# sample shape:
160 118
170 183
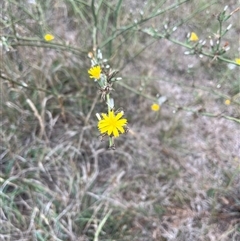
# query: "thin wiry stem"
177 107
94 32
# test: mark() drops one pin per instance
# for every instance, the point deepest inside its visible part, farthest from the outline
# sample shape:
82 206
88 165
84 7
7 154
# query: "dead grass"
174 176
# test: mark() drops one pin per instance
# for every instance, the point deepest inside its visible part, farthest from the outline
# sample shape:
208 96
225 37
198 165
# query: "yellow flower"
95 72
227 102
193 37
155 107
237 61
48 37
112 124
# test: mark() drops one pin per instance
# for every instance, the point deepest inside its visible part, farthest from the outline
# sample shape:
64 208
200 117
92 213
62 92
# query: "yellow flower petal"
193 37
120 128
155 107
237 61
95 72
115 132
119 115
48 37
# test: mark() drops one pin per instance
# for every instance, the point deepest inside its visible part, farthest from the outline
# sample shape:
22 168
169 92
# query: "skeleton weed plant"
110 124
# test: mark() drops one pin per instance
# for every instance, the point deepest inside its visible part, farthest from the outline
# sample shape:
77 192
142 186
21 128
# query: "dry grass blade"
39 117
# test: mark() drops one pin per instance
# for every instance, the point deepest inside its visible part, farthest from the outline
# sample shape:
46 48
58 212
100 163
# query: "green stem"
190 47
136 92
198 87
109 109
94 36
182 107
220 35
101 224
41 44
128 27
26 87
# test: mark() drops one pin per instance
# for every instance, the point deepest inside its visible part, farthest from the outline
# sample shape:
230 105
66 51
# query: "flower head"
193 37
48 37
155 107
95 72
227 102
237 61
112 124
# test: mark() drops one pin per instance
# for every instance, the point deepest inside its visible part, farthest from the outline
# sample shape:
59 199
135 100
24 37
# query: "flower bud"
225 8
229 26
98 116
211 42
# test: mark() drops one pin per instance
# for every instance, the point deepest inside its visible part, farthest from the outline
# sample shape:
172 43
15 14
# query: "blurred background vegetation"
174 176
